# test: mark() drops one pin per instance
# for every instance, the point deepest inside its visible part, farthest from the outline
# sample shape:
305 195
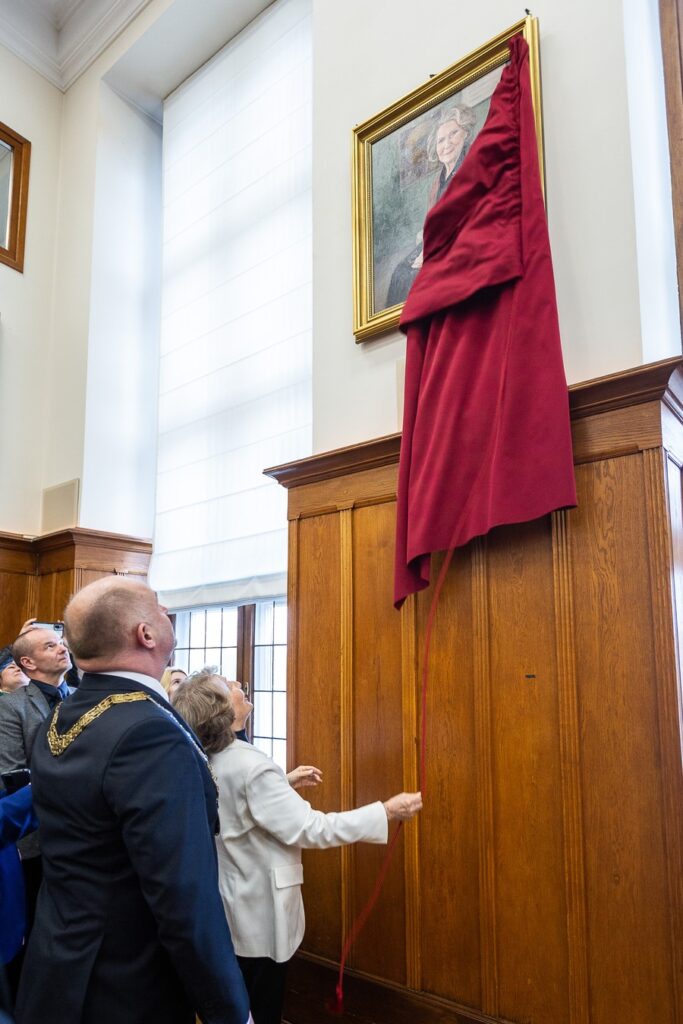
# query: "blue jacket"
130 926
17 819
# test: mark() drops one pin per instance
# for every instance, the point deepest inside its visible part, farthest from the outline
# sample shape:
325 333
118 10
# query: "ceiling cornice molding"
30 36
61 45
88 32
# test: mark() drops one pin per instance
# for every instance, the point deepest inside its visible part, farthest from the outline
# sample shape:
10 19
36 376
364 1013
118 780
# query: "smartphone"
16 779
54 627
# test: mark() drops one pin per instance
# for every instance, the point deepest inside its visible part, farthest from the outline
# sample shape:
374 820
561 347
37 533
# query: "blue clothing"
17 818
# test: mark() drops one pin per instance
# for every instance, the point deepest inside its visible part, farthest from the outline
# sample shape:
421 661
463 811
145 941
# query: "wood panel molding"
604 425
484 771
95 550
16 554
311 982
40 573
411 833
346 722
670 706
570 753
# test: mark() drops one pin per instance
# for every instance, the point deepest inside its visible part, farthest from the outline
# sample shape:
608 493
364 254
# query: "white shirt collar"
138 677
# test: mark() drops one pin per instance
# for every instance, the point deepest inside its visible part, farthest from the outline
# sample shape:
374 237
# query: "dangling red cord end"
335 1004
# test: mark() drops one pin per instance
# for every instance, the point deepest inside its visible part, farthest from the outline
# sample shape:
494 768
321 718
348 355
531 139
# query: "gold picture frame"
15 160
391 156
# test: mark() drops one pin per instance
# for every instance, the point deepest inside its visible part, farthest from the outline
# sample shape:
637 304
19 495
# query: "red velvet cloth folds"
486 433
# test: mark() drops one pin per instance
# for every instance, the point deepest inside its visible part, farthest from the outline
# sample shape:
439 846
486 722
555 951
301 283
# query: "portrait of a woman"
448 144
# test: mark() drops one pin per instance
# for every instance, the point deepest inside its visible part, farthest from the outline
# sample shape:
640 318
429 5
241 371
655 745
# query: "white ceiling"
61 38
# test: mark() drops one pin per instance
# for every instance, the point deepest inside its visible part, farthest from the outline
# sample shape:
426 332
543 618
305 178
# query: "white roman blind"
235 372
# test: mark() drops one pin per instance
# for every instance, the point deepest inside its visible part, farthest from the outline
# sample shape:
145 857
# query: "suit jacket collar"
35 695
98 685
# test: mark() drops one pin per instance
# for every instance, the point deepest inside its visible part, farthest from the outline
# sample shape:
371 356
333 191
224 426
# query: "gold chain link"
59 743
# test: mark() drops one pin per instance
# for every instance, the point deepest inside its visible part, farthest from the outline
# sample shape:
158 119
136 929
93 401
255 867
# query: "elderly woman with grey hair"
448 144
264 825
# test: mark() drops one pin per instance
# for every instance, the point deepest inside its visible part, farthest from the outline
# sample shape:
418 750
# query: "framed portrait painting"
403 160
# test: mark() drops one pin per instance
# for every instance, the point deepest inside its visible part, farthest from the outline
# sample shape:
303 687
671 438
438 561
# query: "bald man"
130 928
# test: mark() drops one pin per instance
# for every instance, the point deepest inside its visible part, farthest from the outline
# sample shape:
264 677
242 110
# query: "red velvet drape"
486 434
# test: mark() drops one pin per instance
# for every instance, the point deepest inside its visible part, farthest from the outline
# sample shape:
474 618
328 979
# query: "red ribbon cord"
336 1005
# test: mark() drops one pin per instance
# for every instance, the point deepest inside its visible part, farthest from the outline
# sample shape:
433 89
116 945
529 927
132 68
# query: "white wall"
119 463
367 56
81 135
56 353
33 107
656 248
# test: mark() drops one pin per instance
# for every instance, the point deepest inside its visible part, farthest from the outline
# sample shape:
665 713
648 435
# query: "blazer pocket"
288 874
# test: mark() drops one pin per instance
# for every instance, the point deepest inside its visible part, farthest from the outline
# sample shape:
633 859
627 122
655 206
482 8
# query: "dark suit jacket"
21 714
129 928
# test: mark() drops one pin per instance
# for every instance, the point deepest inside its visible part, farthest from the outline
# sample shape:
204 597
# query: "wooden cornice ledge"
660 382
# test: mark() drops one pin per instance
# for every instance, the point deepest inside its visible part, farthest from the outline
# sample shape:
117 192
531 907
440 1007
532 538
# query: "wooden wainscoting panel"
372 486
543 883
54 592
411 784
628 925
665 533
483 762
449 840
347 716
14 604
377 735
16 554
570 747
318 735
531 909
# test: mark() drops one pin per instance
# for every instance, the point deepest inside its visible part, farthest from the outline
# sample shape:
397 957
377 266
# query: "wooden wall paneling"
570 740
531 936
17 574
347 718
665 542
367 487
14 602
411 784
318 710
54 591
376 733
627 914
483 762
543 882
452 941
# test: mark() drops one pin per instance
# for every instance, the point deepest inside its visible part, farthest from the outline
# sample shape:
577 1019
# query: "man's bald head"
115 621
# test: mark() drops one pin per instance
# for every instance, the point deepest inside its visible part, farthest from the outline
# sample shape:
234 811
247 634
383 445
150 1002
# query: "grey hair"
463 115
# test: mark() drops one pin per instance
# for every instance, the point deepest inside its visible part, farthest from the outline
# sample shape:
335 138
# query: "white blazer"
264 824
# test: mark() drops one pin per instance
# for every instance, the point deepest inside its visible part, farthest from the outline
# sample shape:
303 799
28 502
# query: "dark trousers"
265 980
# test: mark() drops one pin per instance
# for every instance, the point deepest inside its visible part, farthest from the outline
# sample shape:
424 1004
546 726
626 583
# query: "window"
248 643
270 680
